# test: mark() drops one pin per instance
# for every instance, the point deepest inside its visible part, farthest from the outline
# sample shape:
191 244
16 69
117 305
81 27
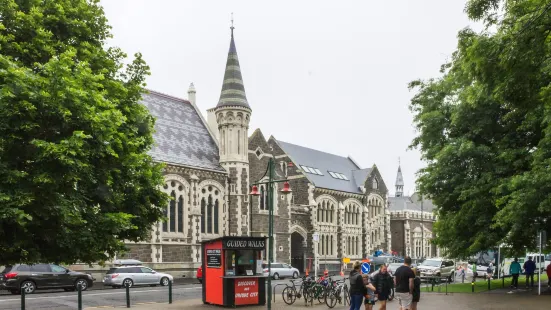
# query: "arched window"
181 214
203 214
374 184
331 245
210 210
262 198
239 142
223 141
174 211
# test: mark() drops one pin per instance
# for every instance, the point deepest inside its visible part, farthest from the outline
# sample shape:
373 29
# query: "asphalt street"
59 299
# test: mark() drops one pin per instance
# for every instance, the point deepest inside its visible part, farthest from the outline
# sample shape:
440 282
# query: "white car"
280 270
437 267
123 276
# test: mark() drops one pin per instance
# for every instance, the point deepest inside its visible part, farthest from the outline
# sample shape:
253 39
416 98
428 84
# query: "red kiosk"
232 271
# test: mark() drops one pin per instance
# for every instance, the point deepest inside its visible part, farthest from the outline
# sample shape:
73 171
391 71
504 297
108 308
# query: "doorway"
297 251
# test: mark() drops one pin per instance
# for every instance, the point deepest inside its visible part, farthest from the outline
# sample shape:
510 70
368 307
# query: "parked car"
437 267
42 276
280 270
200 274
135 275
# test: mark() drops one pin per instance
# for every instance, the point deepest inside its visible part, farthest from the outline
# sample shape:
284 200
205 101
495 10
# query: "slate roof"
409 203
326 162
181 137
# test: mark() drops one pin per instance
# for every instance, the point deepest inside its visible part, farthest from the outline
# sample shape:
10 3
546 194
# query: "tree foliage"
484 128
75 176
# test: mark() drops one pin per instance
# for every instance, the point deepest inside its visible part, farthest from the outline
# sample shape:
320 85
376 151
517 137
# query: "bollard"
446 287
488 284
170 291
502 282
22 299
472 286
433 282
79 289
127 295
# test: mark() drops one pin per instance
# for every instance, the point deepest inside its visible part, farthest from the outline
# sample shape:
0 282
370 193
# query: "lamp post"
270 171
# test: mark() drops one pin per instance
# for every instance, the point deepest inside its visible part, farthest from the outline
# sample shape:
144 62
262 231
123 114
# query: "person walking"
357 287
514 271
403 280
370 296
462 273
383 284
416 292
548 271
475 272
529 267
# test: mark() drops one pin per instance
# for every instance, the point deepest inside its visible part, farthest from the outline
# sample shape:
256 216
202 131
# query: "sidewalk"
431 301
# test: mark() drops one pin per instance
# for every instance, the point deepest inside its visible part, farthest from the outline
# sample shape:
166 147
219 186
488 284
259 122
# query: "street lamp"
270 171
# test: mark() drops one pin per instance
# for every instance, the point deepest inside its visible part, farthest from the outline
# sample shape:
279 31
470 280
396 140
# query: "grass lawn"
481 286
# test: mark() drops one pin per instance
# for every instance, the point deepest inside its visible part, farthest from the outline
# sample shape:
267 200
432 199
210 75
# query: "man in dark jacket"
383 283
529 268
357 287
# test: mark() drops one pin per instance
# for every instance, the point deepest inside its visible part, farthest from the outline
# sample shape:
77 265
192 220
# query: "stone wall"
398 242
141 252
176 253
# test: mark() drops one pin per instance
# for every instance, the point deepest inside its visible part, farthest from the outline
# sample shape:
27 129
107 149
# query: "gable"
181 137
327 164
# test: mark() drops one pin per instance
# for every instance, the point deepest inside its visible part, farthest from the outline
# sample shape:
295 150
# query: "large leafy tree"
75 177
484 128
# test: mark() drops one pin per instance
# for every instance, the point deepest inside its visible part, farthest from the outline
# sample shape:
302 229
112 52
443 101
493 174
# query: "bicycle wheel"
331 299
289 295
346 296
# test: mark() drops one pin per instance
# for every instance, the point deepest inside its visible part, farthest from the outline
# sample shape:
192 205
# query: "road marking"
96 294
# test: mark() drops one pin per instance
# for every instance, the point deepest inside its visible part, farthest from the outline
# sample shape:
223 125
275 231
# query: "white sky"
329 75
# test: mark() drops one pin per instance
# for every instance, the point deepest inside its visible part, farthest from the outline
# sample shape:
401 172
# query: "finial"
232 27
398 160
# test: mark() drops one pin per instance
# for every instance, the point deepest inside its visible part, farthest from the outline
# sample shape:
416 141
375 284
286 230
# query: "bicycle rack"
274 289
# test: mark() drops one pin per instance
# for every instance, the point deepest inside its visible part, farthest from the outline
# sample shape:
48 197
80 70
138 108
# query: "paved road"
56 299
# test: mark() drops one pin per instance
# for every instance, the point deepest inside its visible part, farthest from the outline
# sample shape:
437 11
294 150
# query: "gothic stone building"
209 167
411 222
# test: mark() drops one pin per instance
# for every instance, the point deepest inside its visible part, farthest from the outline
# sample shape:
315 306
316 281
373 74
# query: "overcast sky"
329 75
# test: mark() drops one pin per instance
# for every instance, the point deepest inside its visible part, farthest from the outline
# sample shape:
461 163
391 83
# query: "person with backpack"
514 271
357 287
416 292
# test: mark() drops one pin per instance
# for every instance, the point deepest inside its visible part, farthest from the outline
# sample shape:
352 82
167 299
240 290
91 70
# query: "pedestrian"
416 292
462 273
489 271
403 280
383 283
357 288
514 271
548 271
370 297
475 272
529 267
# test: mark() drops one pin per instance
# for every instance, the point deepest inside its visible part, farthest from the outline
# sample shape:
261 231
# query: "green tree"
75 176
484 129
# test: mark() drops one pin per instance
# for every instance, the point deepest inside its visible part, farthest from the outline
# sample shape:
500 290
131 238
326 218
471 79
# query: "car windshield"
432 263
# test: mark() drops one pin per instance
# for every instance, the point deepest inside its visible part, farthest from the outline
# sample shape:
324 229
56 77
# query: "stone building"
210 165
411 222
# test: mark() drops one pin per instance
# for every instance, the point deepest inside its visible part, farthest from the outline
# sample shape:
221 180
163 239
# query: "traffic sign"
316 237
346 260
365 268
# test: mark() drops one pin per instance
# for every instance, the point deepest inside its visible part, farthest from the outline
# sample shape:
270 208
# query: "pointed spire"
233 89
399 181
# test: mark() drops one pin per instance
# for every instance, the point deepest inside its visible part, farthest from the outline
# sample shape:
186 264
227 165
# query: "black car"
42 276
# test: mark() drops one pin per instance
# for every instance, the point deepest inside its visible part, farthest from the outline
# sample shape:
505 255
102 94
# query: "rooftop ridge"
158 93
309 148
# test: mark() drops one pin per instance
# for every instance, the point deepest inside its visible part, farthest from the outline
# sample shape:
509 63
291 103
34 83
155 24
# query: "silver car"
280 270
135 275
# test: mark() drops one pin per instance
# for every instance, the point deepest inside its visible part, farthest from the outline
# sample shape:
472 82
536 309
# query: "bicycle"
317 290
290 293
339 292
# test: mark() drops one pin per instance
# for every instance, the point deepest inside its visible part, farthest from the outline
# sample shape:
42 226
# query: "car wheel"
164 281
295 275
276 276
127 282
83 284
28 286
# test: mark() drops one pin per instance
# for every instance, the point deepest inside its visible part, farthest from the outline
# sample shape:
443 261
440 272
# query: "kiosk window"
239 261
